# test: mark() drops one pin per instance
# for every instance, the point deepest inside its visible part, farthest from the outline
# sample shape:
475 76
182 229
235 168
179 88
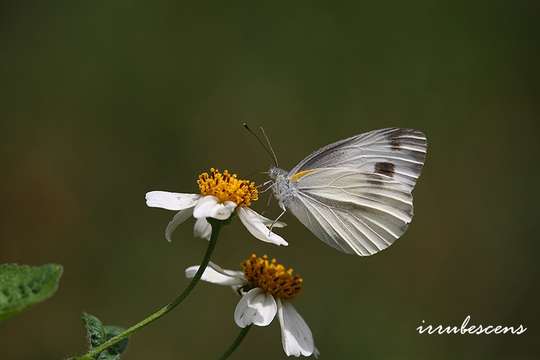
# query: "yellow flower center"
272 277
227 187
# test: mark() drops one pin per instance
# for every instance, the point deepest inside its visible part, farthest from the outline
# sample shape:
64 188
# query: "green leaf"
108 356
95 332
22 286
110 332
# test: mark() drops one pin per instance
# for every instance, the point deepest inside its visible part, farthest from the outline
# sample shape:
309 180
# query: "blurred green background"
103 101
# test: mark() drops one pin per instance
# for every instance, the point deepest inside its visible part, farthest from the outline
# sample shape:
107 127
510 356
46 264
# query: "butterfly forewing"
395 152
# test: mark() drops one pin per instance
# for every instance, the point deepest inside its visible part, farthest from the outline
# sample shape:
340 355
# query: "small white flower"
266 288
221 195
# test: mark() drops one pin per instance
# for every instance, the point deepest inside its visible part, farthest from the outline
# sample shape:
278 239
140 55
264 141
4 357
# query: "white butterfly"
355 194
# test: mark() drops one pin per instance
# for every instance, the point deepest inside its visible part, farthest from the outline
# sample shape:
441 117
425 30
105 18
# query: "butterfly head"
274 173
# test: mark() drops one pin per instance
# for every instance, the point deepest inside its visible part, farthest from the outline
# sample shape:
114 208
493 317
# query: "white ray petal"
178 218
202 229
255 307
209 206
296 336
216 275
255 224
170 200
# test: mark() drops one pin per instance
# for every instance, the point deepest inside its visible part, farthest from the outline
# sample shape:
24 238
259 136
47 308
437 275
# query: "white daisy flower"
266 288
221 194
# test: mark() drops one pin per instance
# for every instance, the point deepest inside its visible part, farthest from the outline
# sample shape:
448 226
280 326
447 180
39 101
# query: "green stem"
236 343
216 227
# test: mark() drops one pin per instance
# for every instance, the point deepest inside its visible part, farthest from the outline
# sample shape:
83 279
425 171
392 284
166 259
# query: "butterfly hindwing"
352 211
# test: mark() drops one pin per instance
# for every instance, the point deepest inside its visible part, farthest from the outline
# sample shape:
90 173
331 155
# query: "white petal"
216 275
202 229
296 336
171 201
209 206
255 307
255 225
179 218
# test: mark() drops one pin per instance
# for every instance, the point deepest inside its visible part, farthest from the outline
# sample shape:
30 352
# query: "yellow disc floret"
272 277
227 187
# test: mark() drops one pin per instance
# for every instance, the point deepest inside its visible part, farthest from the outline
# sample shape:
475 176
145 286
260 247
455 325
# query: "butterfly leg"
268 185
277 219
264 184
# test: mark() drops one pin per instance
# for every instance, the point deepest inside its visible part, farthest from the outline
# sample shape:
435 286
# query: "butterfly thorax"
282 187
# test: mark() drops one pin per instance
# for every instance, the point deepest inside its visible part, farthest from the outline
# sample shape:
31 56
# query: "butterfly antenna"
269 145
269 152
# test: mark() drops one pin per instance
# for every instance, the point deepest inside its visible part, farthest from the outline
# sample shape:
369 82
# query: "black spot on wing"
385 168
403 139
396 139
375 182
395 144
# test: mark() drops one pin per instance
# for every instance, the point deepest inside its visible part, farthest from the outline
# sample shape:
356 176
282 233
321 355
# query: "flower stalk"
236 343
216 227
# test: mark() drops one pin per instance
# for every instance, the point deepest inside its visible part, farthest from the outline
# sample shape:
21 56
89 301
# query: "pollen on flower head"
272 277
227 187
